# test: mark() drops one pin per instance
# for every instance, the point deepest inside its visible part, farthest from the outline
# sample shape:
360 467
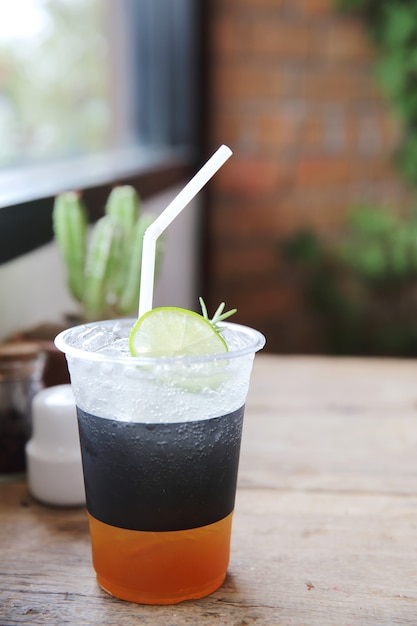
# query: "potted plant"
102 264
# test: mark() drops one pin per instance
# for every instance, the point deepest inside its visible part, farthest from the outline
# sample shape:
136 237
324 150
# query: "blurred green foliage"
56 91
362 288
392 25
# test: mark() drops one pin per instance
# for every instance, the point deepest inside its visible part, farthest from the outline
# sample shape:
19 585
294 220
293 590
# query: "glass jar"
21 369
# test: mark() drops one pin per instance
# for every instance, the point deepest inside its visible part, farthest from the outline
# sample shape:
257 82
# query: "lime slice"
171 331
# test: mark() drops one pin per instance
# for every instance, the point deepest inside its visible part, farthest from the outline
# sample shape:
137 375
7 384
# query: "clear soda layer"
108 382
160 441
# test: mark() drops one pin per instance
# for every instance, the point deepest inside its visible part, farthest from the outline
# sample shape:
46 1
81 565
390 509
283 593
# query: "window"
50 109
91 93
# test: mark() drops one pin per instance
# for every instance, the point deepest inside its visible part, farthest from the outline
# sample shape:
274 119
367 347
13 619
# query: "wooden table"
325 528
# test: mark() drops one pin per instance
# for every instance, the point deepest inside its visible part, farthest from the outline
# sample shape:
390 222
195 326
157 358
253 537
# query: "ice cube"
95 338
233 339
119 347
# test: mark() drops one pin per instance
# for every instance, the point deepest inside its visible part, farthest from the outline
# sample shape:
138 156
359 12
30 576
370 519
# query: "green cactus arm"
129 299
69 221
116 270
123 203
101 258
105 274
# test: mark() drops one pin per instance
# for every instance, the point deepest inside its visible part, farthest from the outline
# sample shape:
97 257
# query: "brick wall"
291 91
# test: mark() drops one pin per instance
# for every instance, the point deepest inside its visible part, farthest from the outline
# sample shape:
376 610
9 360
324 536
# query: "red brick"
369 131
373 169
240 259
227 128
316 7
351 126
251 219
258 37
252 302
279 38
224 35
278 129
313 131
390 193
322 170
256 4
391 129
332 84
249 82
250 176
275 299
323 209
239 220
347 40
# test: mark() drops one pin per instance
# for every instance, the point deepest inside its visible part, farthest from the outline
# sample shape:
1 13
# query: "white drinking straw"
164 220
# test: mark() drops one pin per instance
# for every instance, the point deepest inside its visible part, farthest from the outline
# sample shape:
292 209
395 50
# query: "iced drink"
160 441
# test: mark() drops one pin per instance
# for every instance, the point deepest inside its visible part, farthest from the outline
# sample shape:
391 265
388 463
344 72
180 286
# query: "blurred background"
309 229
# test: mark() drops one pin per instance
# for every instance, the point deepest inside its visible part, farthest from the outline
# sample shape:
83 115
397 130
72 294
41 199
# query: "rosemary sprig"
219 316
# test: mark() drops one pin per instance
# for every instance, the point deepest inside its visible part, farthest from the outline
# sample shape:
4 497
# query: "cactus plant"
103 270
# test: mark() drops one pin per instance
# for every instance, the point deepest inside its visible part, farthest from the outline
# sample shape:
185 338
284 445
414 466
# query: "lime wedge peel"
175 332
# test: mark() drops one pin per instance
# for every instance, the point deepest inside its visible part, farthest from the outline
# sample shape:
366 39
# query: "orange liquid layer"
160 567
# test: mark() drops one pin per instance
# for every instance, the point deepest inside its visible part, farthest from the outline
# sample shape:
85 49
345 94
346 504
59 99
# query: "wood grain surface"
325 526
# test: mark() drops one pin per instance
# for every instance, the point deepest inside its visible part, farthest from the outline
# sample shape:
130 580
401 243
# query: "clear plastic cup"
160 442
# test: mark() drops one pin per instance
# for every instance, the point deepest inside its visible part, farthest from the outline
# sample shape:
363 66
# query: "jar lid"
22 351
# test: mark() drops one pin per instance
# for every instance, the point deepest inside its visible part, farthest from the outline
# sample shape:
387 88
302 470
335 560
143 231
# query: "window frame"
26 224
27 194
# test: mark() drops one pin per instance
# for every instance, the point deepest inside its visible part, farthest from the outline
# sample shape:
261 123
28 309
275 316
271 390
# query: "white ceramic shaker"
53 454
